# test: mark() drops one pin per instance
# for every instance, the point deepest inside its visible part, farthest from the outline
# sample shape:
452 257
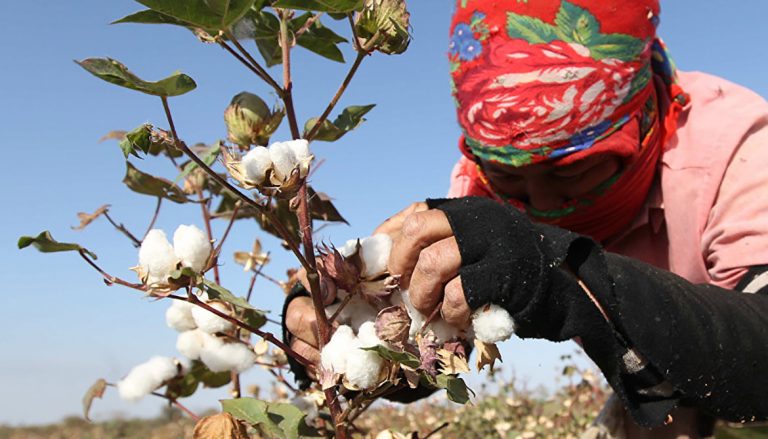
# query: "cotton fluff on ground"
178 316
210 322
442 329
256 164
374 251
192 247
492 324
343 355
147 377
217 355
156 257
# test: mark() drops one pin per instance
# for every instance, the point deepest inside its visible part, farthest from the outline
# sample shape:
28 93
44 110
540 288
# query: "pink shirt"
706 217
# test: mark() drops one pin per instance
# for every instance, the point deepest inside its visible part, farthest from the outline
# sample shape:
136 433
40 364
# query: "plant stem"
259 70
108 278
347 79
287 95
154 217
279 227
433 432
208 231
121 228
355 39
173 401
224 236
308 24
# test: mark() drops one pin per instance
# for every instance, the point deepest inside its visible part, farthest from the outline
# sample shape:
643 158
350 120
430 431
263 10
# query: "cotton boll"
191 343
493 324
443 330
300 148
210 322
146 377
256 164
156 257
357 312
178 316
334 354
375 253
363 368
283 160
367 335
220 357
417 318
192 247
348 248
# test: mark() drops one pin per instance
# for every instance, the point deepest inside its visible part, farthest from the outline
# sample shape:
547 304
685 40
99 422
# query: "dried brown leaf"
87 218
95 391
487 354
220 426
452 362
113 135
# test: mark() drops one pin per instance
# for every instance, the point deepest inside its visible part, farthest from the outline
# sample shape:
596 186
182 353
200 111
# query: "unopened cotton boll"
178 316
493 324
192 247
256 164
147 377
156 257
375 253
283 160
210 322
220 357
334 354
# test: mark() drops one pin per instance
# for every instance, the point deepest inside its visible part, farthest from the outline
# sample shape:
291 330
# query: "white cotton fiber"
493 324
178 316
192 247
375 253
301 154
442 329
156 257
146 377
363 368
256 164
367 335
357 312
220 356
333 356
191 343
283 160
210 322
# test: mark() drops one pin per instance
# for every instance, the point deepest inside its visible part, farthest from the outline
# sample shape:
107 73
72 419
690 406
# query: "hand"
426 255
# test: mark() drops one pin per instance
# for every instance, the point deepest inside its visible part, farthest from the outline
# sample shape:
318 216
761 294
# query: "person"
606 197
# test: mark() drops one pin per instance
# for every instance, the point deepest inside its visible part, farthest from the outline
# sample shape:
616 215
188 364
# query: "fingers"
327 287
436 266
393 224
307 351
301 322
455 309
419 231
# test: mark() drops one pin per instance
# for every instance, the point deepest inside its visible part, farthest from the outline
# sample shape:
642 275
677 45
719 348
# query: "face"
544 186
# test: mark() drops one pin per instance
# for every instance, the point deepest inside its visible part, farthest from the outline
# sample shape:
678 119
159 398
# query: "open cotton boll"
256 164
178 316
357 312
363 368
367 335
156 257
283 160
146 377
375 253
417 318
192 247
493 324
443 330
334 354
210 322
220 357
191 343
303 157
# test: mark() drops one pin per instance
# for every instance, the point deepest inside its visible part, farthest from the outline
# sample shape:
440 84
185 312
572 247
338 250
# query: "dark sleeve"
666 342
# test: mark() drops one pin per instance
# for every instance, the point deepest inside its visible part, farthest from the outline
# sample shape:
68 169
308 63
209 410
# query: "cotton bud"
492 324
178 316
156 258
391 19
250 121
192 247
210 322
147 377
256 164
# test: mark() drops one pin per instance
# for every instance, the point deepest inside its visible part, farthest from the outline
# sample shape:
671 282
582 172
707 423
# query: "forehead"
546 167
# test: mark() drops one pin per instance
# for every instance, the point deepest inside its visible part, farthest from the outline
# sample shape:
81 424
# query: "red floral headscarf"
556 80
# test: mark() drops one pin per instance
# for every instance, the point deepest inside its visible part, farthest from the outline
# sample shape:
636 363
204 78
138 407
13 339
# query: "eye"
567 175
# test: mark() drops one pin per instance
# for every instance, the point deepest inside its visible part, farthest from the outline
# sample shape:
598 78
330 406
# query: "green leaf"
404 358
321 5
208 157
45 243
95 391
277 420
348 120
115 72
530 29
211 15
321 207
266 35
138 139
186 385
217 292
456 388
148 16
318 38
618 46
577 24
143 183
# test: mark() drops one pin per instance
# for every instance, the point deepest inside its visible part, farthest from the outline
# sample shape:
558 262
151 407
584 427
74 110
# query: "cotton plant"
259 170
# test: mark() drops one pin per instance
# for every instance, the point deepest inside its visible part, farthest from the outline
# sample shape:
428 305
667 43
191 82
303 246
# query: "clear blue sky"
61 328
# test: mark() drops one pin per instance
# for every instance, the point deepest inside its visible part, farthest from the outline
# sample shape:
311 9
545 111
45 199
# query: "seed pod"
250 121
391 19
